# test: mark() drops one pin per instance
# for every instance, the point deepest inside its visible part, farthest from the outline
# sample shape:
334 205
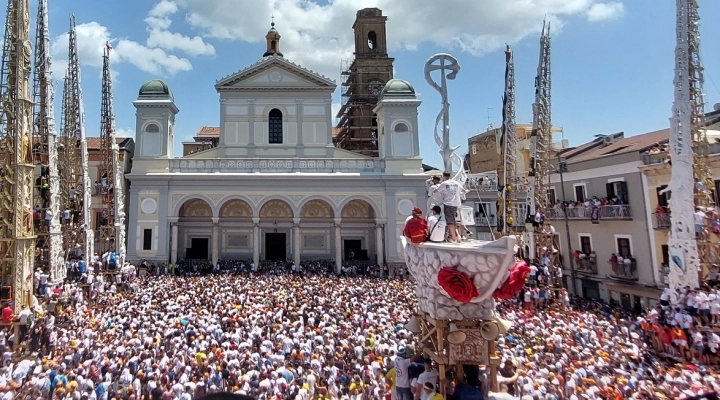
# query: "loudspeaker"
503 325
413 325
490 330
455 336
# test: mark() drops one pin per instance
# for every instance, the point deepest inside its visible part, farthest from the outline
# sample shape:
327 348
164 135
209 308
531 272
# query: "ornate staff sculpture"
449 68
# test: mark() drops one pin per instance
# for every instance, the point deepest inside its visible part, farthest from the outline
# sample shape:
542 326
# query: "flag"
109 46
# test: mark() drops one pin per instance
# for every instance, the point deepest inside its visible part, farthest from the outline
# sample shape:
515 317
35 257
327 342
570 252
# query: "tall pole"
540 147
508 149
690 180
562 167
46 153
17 239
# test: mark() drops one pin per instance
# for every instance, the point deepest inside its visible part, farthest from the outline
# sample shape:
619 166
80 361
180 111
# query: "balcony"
587 265
624 271
485 221
661 221
611 212
278 165
488 183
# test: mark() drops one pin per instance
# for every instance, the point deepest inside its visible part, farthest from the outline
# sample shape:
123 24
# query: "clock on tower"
375 87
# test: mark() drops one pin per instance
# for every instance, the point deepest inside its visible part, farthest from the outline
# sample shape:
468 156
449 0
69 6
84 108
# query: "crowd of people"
320 336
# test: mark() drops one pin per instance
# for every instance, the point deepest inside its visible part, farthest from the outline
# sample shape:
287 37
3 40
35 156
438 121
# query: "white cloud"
154 57
163 8
159 21
91 39
605 11
194 46
319 36
125 132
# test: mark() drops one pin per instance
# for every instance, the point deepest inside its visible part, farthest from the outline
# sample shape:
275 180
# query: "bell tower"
273 41
362 83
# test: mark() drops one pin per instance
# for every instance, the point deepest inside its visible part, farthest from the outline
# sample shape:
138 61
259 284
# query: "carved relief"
236 209
276 209
196 208
357 209
316 209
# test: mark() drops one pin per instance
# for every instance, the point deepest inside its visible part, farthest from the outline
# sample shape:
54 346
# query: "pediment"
275 73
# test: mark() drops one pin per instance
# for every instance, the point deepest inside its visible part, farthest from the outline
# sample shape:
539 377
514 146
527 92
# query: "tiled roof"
208 131
636 143
93 143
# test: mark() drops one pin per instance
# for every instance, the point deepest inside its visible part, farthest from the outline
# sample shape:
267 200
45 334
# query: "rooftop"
208 131
617 144
93 143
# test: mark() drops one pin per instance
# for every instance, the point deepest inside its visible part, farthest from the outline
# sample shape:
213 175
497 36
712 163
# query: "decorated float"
459 283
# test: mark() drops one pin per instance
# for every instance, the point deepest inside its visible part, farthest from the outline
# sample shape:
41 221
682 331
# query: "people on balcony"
622 265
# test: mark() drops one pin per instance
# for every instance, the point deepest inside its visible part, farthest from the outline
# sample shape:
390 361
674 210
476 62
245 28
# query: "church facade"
275 187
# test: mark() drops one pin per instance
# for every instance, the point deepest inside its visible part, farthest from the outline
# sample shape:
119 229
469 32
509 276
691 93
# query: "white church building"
275 187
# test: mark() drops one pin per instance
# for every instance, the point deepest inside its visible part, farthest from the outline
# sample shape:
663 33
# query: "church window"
272 45
372 40
401 128
275 126
152 128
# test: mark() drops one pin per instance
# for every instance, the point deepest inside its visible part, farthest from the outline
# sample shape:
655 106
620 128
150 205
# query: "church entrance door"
198 249
353 250
275 247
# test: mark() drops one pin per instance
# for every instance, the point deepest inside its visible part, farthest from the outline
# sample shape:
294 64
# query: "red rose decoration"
514 282
458 285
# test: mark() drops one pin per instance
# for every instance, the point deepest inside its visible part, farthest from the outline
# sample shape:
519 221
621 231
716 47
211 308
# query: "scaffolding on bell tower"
17 238
49 246
112 221
508 151
75 182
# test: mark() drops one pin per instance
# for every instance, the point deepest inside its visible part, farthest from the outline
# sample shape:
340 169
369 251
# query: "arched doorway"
276 222
195 221
235 230
313 239
358 237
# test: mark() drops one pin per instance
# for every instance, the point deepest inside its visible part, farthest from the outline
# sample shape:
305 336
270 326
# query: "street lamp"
562 167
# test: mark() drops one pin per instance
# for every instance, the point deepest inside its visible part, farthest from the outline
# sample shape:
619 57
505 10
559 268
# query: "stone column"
296 241
173 241
256 241
215 241
338 245
379 249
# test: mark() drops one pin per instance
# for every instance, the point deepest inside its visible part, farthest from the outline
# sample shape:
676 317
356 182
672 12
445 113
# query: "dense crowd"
289 336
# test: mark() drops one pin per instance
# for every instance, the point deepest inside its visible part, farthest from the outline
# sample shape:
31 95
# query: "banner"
595 215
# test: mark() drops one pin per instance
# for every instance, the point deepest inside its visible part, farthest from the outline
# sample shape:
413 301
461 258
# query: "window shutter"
610 190
623 192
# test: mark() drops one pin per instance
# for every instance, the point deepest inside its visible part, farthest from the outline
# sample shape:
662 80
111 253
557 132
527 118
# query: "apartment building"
656 171
605 211
483 160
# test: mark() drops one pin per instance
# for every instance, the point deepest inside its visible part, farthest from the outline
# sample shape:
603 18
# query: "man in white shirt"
699 218
429 375
433 197
451 197
436 225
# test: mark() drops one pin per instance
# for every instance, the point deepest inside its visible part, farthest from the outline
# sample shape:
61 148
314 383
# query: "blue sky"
612 61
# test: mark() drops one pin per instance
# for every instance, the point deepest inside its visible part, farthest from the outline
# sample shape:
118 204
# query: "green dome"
398 87
156 88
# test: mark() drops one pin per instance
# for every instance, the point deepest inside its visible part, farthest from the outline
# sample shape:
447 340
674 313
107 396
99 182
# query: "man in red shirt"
416 227
7 313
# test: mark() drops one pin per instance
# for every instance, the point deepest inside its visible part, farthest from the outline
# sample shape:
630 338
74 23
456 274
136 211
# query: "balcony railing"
587 265
488 183
485 221
276 165
661 221
624 271
616 212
